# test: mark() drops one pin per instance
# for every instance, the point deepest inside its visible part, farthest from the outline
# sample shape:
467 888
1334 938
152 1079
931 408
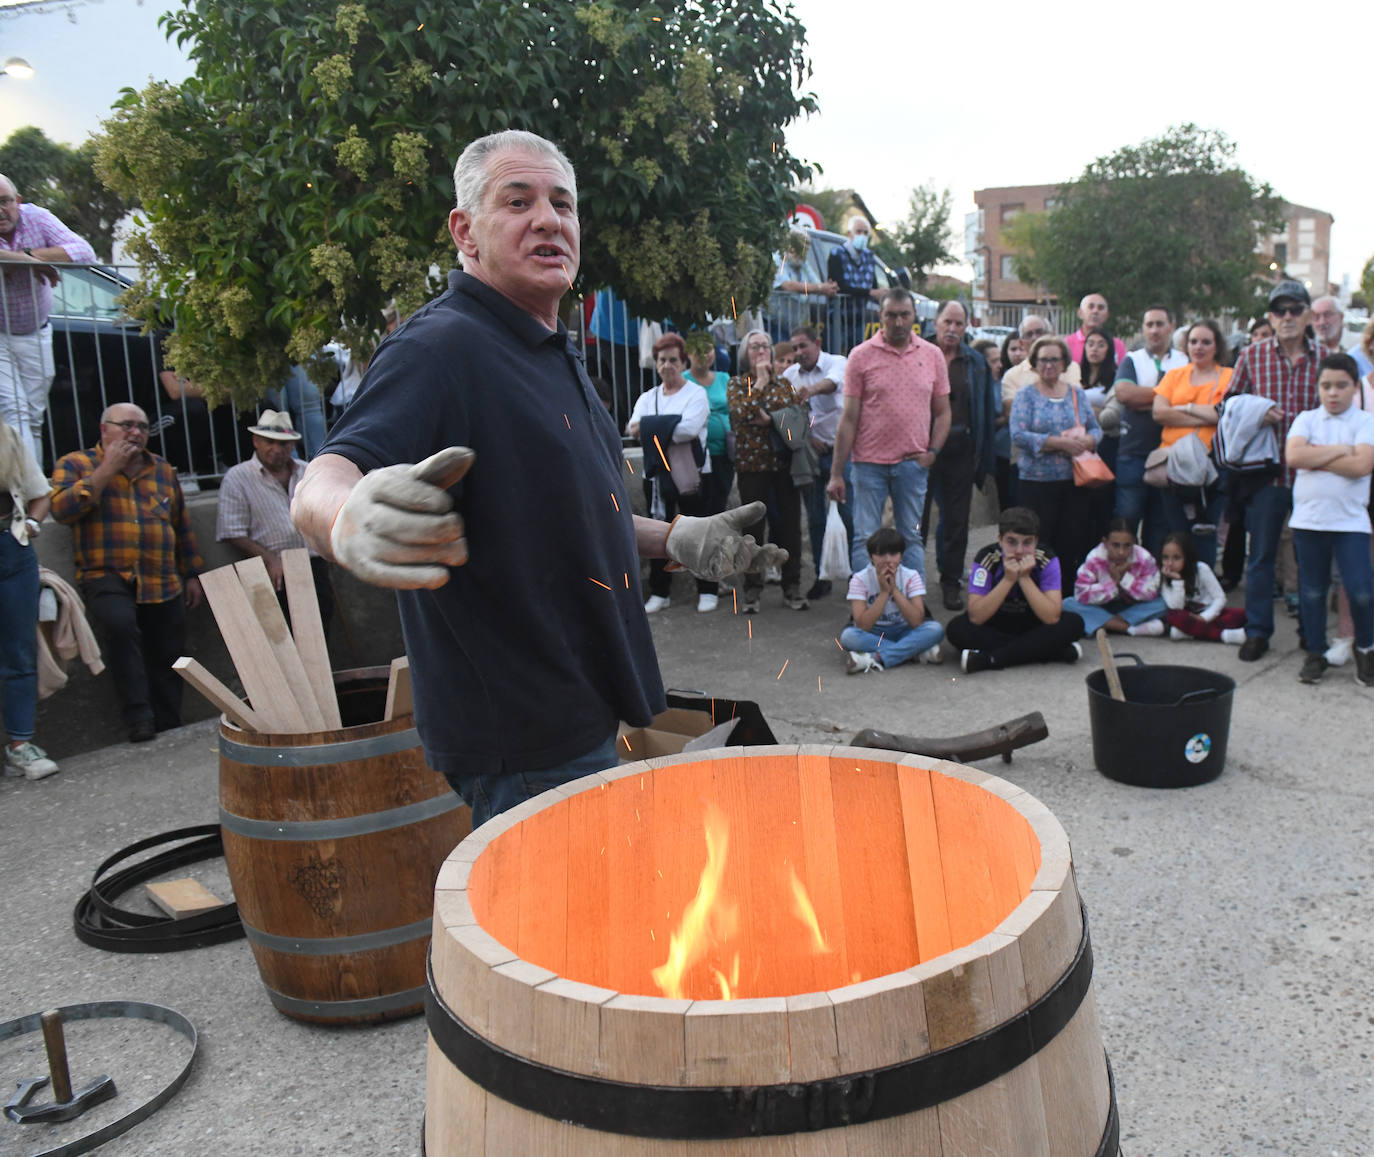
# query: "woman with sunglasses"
1051 422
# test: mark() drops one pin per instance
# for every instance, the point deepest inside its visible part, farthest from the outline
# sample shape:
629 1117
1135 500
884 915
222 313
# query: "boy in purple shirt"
1015 603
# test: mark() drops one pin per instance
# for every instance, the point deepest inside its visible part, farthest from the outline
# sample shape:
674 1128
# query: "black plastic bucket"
1170 731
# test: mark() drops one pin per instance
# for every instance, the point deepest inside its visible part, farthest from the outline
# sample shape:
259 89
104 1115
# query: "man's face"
950 326
274 453
806 351
897 318
525 242
858 227
1289 318
1032 330
1092 311
1327 320
126 423
1336 390
1158 330
9 209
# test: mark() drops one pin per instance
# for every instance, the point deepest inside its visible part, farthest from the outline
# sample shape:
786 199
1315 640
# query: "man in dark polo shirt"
964 460
526 655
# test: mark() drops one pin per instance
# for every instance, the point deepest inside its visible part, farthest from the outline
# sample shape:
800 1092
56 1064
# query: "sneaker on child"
932 655
1338 654
1313 668
861 662
1150 627
28 760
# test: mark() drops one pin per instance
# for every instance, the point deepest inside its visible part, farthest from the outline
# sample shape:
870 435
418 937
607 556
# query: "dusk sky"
910 95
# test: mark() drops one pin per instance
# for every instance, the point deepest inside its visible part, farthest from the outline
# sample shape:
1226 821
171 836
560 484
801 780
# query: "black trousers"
951 489
1011 640
142 641
694 506
1064 522
756 486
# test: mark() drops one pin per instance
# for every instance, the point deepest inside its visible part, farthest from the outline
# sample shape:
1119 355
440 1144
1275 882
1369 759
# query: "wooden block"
262 596
399 700
737 1042
1025 1100
184 897
813 1049
308 630
1104 648
235 708
254 660
566 1019
643 1039
880 1022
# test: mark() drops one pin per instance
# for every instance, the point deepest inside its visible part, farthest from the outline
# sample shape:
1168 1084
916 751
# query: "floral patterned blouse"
754 452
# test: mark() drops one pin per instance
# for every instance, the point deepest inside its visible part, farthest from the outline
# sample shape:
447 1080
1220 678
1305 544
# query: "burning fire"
711 920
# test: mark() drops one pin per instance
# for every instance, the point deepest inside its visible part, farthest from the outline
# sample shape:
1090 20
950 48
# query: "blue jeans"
818 507
1209 509
1138 503
906 482
896 644
18 634
490 795
1316 549
1264 515
1095 616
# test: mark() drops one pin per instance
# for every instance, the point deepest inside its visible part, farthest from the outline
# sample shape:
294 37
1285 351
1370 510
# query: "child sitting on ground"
1332 449
1196 602
1015 602
888 605
1117 587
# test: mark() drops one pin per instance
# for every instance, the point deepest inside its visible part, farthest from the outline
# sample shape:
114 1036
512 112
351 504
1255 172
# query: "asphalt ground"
1232 923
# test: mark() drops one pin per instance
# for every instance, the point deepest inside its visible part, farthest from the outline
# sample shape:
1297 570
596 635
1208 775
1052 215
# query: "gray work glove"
714 548
398 529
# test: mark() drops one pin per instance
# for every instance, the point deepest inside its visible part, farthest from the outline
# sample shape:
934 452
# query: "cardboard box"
672 731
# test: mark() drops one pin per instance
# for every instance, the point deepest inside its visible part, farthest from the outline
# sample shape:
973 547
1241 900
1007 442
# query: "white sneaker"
707 603
1149 628
28 760
861 662
1340 651
1233 635
932 655
1176 634
655 603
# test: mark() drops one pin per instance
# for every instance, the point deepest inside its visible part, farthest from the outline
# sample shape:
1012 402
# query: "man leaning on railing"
30 238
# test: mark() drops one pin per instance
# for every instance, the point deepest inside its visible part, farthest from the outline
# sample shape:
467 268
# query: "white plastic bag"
834 548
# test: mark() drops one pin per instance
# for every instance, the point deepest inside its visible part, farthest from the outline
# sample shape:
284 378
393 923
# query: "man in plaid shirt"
30 237
1283 369
136 562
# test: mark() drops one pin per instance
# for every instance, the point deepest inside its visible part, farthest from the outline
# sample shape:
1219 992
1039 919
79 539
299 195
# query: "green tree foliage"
1172 219
302 176
924 240
62 179
1367 281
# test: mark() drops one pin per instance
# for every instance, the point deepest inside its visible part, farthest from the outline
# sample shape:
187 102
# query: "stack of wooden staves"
285 672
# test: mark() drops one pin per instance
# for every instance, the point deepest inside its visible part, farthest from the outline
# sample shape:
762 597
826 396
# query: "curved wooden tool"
1000 740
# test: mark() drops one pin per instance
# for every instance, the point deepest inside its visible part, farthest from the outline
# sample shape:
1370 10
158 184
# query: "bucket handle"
1197 696
1139 662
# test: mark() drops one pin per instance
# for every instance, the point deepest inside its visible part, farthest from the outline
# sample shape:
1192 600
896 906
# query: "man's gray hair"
470 177
1334 301
1021 329
856 219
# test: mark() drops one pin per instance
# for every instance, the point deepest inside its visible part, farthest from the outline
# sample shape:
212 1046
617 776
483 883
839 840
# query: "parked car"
101 356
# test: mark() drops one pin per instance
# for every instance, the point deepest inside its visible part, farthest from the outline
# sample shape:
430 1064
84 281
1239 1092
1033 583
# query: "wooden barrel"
901 941
333 840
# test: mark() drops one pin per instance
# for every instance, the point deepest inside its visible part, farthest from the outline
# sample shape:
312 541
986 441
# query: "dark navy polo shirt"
534 649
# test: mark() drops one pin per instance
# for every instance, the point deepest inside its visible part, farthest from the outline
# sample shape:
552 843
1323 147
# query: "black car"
101 356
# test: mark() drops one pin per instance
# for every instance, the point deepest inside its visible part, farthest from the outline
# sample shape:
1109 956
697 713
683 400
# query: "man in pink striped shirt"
895 421
30 238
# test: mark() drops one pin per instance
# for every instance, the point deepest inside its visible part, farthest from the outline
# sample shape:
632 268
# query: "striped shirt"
253 504
1264 369
26 300
137 527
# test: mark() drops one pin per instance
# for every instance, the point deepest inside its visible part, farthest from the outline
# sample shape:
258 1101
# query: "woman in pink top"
1186 401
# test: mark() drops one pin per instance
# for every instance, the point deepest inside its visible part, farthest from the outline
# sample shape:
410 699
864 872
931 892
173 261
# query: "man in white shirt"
818 378
1137 375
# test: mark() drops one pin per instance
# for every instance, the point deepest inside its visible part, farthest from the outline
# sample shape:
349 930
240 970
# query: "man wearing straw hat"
255 506
523 657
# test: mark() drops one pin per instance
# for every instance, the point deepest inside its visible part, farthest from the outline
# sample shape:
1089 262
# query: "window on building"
1050 203
1008 269
1010 211
1281 253
1307 225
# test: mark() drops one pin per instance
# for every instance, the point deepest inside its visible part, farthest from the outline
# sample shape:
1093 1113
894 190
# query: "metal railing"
1061 318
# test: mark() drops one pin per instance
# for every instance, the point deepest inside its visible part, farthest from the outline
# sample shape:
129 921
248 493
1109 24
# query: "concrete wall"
85 715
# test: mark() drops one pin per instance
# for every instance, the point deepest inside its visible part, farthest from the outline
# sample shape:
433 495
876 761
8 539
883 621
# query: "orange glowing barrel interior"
767 876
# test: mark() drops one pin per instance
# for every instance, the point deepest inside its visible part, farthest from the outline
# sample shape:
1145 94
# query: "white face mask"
861 241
